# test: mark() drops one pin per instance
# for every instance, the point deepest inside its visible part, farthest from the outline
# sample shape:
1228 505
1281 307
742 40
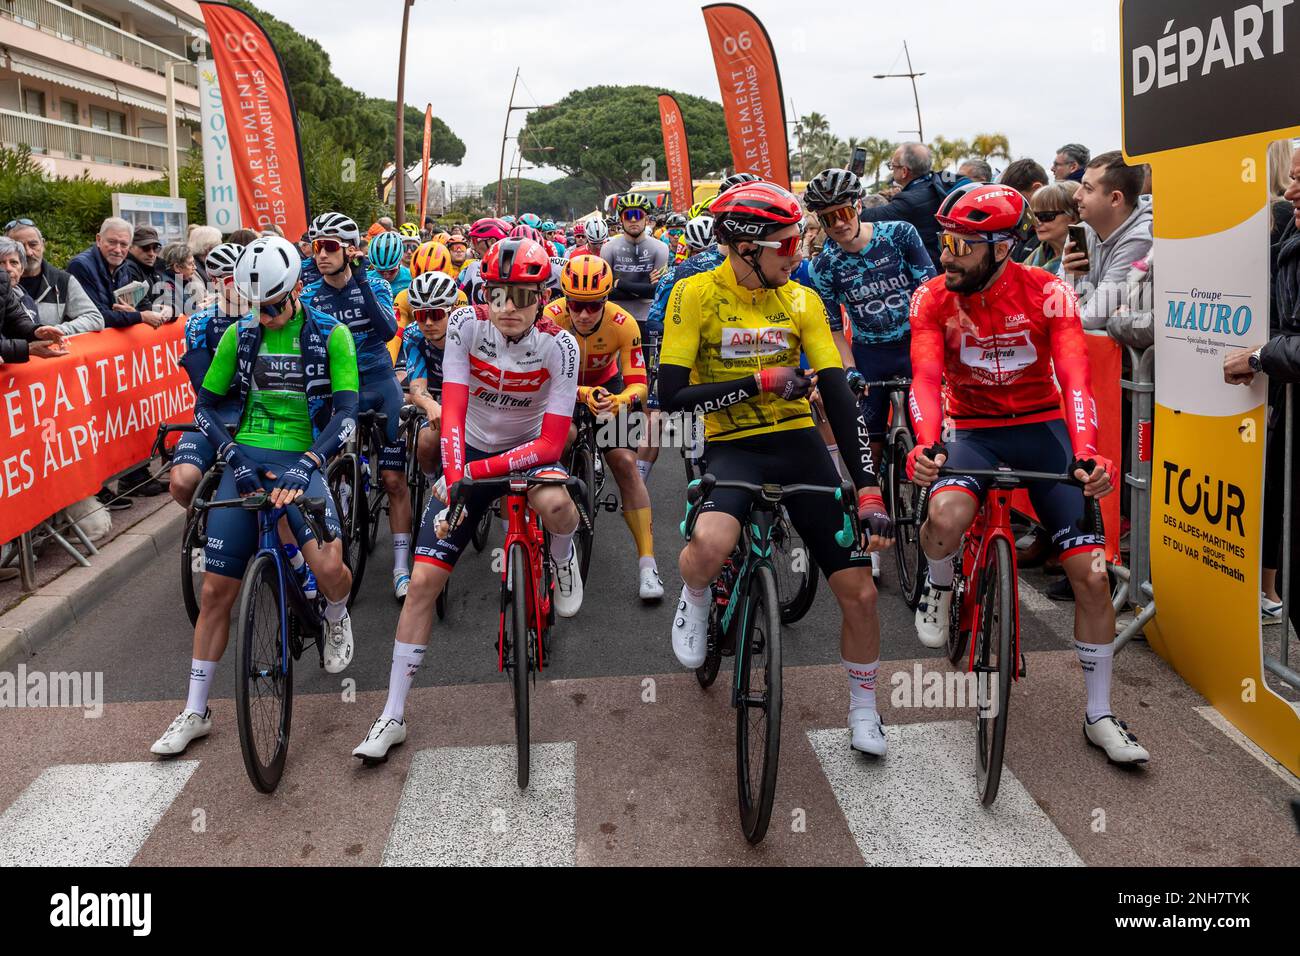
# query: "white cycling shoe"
1112 735
338 644
932 615
652 586
568 586
868 731
182 732
385 734
690 632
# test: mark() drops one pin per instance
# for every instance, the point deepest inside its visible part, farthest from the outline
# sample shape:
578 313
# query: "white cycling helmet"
596 231
699 232
267 269
335 225
432 290
220 262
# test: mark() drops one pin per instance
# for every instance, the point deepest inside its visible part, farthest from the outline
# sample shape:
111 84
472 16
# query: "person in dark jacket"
142 260
101 269
918 199
21 334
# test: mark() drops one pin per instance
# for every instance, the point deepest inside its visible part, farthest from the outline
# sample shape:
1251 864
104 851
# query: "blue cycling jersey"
875 284
710 258
203 331
423 359
401 282
370 319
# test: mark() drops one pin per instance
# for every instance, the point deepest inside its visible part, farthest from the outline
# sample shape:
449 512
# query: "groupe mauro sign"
1192 69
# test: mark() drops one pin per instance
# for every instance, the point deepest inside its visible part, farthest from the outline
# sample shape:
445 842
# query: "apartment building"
83 84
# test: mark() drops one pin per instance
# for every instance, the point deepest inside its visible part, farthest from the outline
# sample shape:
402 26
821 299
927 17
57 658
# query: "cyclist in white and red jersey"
509 384
998 337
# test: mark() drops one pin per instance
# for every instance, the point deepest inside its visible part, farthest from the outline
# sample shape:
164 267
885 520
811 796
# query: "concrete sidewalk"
74 594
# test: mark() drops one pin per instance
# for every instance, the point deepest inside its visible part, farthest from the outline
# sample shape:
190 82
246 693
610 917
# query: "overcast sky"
1043 74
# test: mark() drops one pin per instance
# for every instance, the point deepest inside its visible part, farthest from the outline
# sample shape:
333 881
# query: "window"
34 102
109 120
102 17
68 112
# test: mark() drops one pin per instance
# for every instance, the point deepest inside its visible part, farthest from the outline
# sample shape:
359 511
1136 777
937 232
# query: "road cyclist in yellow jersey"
731 353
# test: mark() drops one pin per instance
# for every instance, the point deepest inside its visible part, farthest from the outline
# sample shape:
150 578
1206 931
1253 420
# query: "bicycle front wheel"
796 574
344 477
758 704
994 665
264 686
904 498
518 652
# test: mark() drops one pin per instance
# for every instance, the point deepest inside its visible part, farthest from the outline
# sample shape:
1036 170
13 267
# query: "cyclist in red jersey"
997 337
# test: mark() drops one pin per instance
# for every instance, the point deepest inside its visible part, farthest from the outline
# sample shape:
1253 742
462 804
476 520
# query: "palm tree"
991 146
879 152
944 151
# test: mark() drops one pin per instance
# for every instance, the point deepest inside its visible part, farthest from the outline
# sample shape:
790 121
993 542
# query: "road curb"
74 594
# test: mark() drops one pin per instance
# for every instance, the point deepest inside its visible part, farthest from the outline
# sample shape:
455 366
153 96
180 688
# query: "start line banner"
71 423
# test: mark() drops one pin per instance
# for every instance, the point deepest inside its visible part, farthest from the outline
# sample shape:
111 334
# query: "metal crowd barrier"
1280 666
1134 590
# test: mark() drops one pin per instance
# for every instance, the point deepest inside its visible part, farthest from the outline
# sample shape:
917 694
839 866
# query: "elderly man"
918 198
100 269
976 170
60 300
1071 160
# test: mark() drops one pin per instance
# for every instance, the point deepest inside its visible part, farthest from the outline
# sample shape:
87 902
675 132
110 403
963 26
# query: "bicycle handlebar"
698 491
516 483
312 510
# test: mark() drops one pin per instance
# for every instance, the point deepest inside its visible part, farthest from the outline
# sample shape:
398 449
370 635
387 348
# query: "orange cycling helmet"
586 278
432 256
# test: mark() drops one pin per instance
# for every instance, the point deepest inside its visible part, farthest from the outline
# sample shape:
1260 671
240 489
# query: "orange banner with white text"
751 92
70 423
269 174
424 164
677 152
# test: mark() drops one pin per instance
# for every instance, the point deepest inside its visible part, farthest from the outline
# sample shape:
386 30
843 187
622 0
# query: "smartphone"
858 164
1079 237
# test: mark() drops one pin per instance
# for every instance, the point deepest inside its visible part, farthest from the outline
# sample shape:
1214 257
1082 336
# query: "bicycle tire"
707 672
758 648
264 687
584 467
440 605
517 655
902 503
798 590
192 542
376 497
996 627
482 530
344 478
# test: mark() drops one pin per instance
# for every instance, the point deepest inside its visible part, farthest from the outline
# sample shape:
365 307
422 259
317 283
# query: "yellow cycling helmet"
432 256
410 229
701 208
586 278
442 237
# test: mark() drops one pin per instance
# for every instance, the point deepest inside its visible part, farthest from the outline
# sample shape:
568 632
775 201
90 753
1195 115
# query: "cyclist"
551 239
351 292
672 237
698 235
194 454
996 337
611 378
510 380
634 256
432 256
731 353
433 297
594 236
386 252
482 235
458 248
292 422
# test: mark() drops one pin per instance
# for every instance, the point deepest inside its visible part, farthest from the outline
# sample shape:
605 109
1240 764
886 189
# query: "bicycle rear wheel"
903 503
482 530
192 542
376 497
517 651
344 478
795 570
584 467
758 704
993 665
264 686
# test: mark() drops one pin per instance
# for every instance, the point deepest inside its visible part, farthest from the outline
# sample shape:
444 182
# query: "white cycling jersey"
512 385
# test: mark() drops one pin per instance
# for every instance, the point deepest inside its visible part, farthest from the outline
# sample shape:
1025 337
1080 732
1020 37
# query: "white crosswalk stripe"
462 806
918 806
90 814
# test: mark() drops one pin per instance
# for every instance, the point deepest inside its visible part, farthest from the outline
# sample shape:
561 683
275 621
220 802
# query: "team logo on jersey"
506 381
998 359
638 358
1016 321
747 343
279 373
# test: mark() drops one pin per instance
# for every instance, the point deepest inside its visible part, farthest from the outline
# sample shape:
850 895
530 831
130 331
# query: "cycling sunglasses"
18 222
329 246
520 296
784 247
834 217
596 306
960 245
1050 215
436 314
633 215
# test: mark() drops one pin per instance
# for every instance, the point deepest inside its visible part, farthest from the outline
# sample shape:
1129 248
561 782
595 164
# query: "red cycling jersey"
995 352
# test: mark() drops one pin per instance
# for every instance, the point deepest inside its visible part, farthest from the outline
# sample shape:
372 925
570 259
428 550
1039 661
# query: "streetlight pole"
501 166
911 74
399 172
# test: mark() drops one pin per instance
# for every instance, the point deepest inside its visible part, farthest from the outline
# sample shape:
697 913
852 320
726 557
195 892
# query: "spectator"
273 230
918 198
202 240
304 245
182 291
101 268
1071 160
21 334
143 259
241 237
976 170
1118 218
1053 207
59 298
387 223
1026 177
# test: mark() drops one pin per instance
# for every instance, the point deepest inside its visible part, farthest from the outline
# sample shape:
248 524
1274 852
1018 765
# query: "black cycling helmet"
735 179
832 187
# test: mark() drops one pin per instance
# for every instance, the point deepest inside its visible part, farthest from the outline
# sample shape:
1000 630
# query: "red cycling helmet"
517 261
990 211
490 229
525 231
753 211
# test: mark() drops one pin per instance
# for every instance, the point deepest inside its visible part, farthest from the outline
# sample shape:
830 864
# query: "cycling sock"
643 469
407 659
941 570
401 554
638 522
862 683
201 673
296 559
562 546
1096 661
699 597
648 562
839 464
335 611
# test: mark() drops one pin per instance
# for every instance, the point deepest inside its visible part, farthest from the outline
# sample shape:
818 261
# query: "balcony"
73 26
56 139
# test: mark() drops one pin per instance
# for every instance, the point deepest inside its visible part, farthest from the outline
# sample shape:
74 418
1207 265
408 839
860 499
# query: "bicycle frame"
992 521
291 598
755 546
525 528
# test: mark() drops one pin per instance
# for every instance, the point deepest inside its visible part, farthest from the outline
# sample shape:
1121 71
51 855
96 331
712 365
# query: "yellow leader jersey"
722 331
402 308
614 348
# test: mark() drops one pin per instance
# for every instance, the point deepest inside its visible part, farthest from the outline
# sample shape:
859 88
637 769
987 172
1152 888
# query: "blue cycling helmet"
531 219
385 251
547 226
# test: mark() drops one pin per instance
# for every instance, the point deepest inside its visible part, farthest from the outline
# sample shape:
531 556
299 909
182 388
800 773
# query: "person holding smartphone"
1055 214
